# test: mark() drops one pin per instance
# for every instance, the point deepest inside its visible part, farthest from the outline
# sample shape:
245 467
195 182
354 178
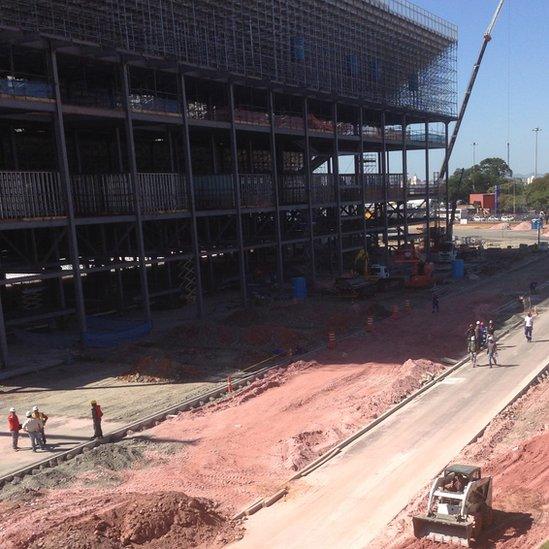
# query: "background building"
161 151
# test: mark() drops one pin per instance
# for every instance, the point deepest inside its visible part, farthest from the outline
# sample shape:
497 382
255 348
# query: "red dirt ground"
514 450
235 451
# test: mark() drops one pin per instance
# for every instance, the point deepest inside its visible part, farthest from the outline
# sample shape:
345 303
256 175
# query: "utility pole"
536 131
474 153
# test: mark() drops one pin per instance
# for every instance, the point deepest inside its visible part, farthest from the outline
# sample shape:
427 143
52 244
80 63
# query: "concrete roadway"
348 501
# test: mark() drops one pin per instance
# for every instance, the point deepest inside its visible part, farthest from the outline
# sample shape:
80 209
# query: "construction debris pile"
194 351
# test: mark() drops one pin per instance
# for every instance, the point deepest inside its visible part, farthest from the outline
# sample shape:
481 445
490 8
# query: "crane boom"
487 37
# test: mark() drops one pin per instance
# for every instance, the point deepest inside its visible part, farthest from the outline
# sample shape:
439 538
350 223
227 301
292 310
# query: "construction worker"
33 428
470 332
472 350
478 335
492 350
528 326
42 417
97 414
491 328
483 334
14 426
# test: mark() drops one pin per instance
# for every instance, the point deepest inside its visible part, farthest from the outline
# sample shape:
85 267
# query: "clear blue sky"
521 36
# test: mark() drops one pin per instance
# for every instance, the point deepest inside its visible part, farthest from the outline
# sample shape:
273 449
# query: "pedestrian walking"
470 332
528 326
97 414
492 350
42 418
483 334
472 350
478 335
33 428
491 328
435 302
14 427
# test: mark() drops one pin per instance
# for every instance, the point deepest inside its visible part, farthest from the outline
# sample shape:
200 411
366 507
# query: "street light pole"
474 152
536 131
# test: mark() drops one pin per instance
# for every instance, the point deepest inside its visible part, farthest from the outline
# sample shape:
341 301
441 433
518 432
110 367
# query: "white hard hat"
478 321
35 408
29 413
472 338
12 409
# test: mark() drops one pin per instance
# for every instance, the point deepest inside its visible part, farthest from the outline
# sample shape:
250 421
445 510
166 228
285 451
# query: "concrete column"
132 162
62 161
309 187
236 181
276 187
190 192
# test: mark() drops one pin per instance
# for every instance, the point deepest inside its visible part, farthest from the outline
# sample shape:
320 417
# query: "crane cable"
508 82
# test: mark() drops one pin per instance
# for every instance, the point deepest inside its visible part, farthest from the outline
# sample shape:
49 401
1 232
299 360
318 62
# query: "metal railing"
162 192
214 192
256 191
25 88
98 99
31 194
39 194
102 194
294 189
142 100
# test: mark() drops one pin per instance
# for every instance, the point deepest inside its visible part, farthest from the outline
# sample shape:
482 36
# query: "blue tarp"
107 332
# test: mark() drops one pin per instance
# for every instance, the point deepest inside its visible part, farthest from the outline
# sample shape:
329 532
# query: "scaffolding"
385 52
160 148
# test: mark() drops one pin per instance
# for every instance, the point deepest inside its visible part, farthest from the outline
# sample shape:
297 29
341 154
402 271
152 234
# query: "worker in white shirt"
528 326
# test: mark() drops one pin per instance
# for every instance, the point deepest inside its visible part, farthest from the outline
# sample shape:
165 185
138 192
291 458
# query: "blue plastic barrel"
299 287
536 224
458 268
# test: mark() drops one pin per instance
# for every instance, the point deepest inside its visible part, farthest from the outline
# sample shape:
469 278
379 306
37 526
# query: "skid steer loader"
459 507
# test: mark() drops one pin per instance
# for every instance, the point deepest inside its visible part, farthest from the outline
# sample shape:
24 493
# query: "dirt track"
514 449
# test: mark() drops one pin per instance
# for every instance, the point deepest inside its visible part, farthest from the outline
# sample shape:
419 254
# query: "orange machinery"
419 274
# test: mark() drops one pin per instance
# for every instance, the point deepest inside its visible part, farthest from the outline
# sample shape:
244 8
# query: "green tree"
479 178
537 194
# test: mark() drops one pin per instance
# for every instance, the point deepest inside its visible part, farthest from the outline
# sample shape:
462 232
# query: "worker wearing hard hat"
42 418
492 350
97 414
33 428
14 426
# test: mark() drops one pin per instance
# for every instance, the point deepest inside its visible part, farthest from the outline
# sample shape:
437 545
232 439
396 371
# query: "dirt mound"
523 226
305 447
272 379
98 467
498 227
156 520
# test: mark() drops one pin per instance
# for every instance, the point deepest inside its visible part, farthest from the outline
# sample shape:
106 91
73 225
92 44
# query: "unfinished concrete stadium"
233 315
159 151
